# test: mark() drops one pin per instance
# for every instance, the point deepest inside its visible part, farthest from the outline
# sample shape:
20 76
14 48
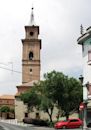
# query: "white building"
85 41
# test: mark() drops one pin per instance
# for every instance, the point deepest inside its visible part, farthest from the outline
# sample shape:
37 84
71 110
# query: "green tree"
46 103
64 91
56 89
38 97
30 98
72 96
5 109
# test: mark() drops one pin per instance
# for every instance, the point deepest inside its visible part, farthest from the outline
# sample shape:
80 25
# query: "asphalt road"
5 126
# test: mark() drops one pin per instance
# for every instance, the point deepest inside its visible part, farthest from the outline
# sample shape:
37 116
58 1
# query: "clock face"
31 33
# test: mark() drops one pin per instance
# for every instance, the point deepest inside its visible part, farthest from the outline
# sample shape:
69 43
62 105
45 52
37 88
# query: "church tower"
31 52
31 47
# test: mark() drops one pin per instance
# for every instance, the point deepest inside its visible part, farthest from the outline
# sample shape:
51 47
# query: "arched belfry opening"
31 55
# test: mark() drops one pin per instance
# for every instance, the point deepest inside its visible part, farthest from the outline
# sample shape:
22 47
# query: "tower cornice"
31 40
27 27
84 36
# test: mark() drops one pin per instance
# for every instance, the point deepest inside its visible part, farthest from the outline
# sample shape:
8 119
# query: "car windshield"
65 120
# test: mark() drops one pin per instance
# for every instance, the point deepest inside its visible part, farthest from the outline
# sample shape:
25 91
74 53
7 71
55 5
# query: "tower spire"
32 17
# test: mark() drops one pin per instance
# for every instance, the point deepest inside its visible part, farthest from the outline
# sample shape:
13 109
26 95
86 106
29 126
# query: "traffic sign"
82 105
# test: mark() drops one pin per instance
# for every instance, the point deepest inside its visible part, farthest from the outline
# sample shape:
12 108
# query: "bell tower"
31 52
31 46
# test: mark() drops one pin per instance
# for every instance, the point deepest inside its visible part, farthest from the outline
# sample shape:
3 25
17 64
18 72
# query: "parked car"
70 123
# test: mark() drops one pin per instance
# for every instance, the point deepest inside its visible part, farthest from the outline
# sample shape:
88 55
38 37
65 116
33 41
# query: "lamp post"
81 79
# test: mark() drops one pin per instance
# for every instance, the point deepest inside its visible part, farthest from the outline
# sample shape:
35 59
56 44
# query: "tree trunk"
58 114
67 115
50 118
50 114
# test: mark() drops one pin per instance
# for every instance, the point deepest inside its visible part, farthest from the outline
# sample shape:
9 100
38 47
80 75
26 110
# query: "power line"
10 69
17 71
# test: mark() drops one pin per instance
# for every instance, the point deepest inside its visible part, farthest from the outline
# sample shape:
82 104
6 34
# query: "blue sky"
59 22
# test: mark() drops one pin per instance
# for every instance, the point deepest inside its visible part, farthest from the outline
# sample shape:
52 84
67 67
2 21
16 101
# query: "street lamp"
81 79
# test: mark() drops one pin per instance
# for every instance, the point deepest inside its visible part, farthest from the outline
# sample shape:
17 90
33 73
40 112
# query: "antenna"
81 29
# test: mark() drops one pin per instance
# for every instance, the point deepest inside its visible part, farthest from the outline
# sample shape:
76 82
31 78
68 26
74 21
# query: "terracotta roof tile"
7 97
29 84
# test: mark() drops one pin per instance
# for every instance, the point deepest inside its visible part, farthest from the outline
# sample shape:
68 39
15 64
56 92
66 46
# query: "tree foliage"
65 92
46 102
30 98
56 89
4 109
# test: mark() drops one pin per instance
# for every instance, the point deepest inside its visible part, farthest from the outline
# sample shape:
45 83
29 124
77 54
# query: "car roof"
73 119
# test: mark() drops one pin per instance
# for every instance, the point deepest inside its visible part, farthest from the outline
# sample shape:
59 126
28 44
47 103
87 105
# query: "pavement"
43 128
21 126
6 126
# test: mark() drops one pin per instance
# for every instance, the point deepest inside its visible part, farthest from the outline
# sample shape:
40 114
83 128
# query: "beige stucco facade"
20 109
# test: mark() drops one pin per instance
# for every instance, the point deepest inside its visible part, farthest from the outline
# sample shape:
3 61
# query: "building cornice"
84 36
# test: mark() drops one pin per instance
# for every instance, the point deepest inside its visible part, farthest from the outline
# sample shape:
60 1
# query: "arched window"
30 71
30 55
